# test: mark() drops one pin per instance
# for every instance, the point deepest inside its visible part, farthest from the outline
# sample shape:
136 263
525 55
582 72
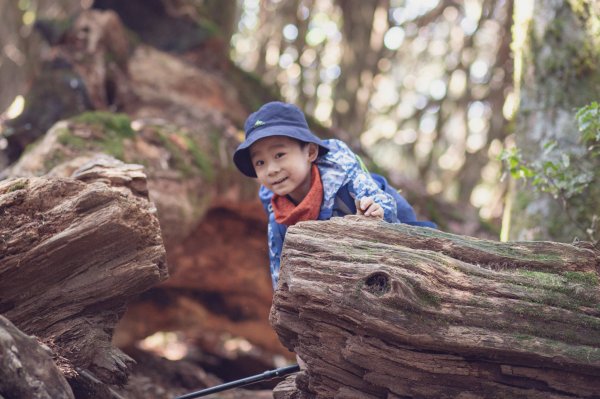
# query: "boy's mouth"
279 181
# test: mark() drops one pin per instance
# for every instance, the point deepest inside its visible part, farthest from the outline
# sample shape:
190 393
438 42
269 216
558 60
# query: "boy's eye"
279 154
258 163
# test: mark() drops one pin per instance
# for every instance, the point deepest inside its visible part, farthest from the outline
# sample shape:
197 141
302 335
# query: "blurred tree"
16 65
453 70
21 50
175 25
418 85
557 47
364 24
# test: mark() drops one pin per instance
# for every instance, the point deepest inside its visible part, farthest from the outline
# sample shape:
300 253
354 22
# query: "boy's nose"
273 168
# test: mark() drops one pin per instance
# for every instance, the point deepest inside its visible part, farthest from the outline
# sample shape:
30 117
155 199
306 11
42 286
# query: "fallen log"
26 367
380 310
73 252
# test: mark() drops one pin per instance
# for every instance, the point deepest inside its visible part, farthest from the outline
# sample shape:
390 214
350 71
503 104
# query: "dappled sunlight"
16 108
438 91
166 344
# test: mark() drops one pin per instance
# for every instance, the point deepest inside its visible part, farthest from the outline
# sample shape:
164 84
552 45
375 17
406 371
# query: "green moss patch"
585 278
113 123
18 185
108 131
569 290
186 155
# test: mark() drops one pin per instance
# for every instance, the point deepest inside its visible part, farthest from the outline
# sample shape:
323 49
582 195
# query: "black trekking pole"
267 375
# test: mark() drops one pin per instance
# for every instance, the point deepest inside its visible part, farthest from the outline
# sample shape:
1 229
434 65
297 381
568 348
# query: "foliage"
588 120
566 175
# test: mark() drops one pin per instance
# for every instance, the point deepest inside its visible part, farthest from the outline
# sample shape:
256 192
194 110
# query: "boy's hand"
366 206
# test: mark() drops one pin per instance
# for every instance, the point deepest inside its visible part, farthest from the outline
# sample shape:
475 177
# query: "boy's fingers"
359 211
365 203
375 210
368 207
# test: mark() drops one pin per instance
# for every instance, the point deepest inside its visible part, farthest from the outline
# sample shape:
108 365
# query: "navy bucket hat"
273 119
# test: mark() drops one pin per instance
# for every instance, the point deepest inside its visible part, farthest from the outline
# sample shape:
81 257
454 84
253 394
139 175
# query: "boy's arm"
265 195
274 235
275 245
362 185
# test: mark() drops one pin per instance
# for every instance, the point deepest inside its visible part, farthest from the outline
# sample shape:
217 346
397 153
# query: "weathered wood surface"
73 252
386 310
181 120
26 367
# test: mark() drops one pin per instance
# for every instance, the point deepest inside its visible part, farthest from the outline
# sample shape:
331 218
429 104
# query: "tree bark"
26 367
73 252
378 309
556 50
359 66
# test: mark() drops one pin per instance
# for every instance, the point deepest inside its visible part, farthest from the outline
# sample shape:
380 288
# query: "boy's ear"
313 152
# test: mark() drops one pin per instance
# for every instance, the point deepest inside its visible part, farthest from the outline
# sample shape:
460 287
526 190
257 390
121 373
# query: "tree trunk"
556 72
359 66
378 309
73 252
12 60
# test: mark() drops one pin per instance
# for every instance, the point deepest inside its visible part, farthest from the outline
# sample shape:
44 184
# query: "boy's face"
283 165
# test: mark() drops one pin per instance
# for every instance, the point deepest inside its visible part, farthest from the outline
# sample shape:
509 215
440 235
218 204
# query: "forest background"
437 93
483 112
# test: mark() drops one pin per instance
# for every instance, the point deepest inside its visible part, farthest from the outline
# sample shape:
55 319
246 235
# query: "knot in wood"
378 283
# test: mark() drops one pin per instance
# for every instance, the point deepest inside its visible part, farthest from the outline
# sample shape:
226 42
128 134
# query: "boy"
305 178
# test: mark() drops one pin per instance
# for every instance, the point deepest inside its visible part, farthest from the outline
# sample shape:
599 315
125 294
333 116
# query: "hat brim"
241 156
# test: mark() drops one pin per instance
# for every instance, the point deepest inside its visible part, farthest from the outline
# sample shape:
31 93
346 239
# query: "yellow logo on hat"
258 123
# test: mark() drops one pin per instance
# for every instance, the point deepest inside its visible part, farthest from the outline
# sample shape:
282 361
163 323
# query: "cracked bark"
72 254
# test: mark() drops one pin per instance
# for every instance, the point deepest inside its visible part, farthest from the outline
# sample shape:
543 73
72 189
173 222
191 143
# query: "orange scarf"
288 213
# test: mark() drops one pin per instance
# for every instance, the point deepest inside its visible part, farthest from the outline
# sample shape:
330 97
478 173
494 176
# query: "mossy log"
73 252
388 310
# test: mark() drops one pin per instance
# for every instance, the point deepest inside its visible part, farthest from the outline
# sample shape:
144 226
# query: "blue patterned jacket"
343 180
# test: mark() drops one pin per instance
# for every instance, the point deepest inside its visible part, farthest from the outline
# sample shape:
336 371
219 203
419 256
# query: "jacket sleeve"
361 184
275 235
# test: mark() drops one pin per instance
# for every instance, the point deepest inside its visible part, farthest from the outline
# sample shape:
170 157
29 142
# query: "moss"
208 27
561 280
584 354
585 278
190 160
177 157
56 158
114 123
200 160
67 139
523 337
559 290
527 311
429 298
540 277
18 185
114 128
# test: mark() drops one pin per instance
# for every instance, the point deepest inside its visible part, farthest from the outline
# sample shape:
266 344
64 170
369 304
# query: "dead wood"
388 310
73 252
26 367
